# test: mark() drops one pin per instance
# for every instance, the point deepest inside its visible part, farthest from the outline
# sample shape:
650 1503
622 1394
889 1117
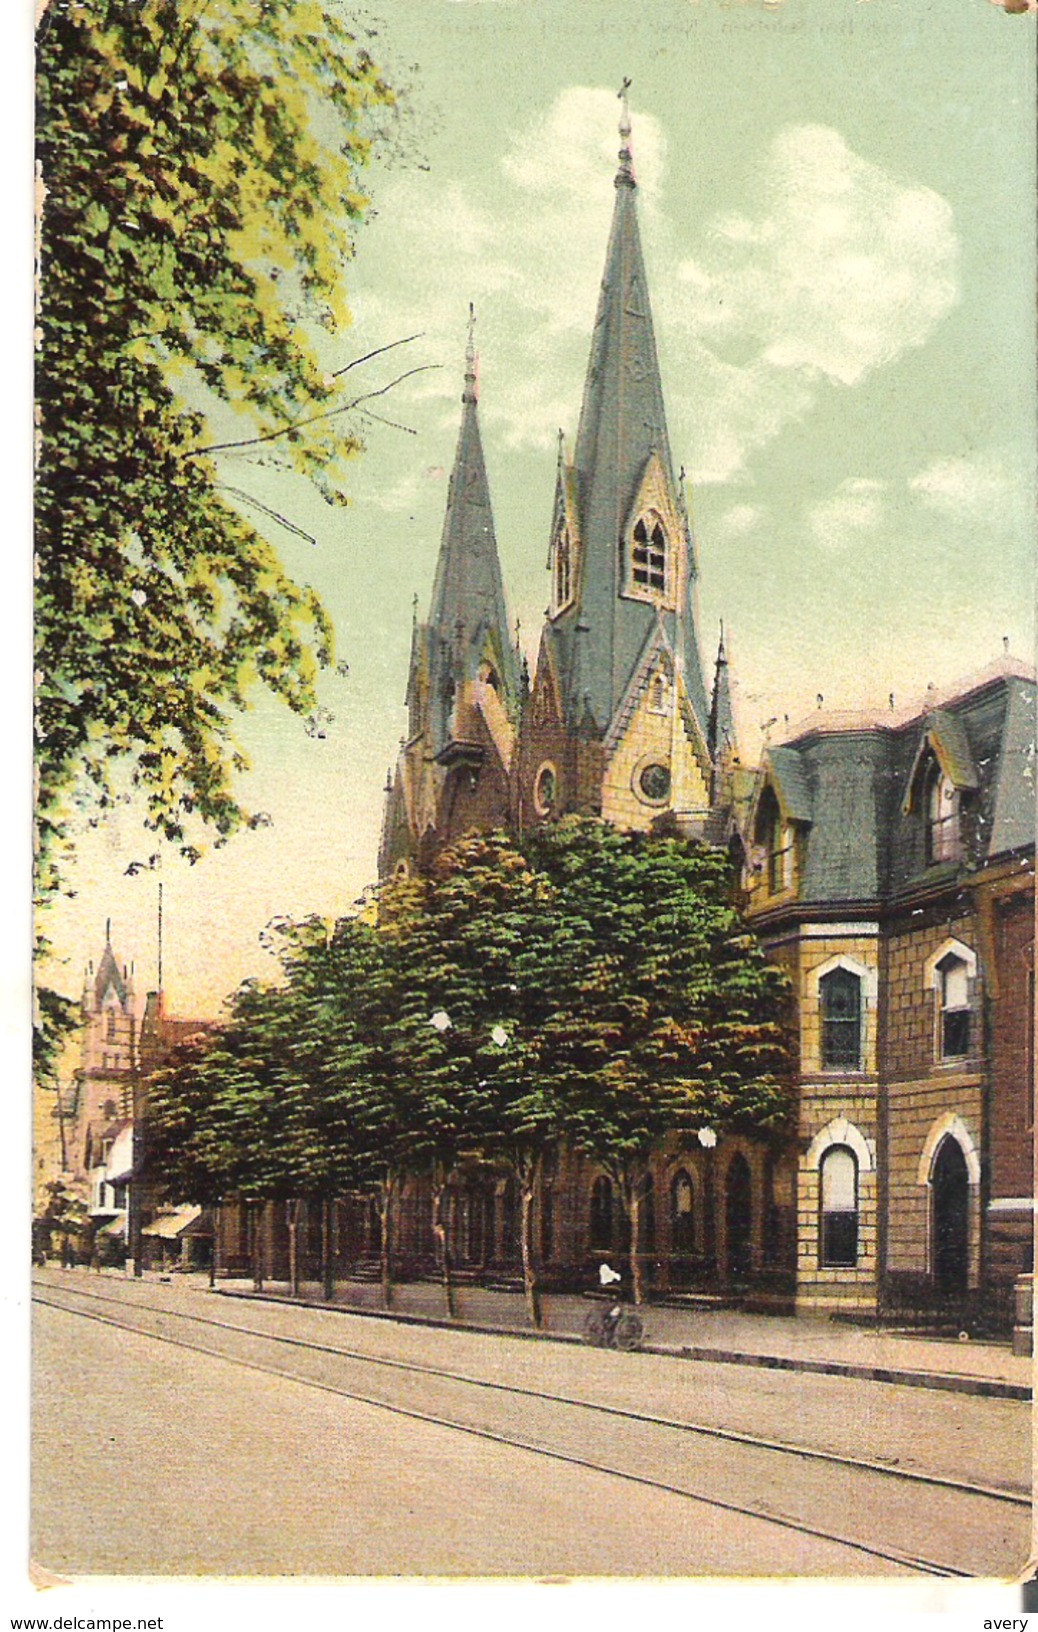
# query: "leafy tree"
201 164
667 1016
476 944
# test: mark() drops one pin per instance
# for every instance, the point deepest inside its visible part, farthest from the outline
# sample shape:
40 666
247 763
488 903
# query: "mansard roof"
851 784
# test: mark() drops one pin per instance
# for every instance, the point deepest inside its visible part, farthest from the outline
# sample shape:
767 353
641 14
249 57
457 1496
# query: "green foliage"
55 1018
201 162
667 1015
592 986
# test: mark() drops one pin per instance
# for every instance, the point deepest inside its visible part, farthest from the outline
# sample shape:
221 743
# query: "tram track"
1014 1496
204 1334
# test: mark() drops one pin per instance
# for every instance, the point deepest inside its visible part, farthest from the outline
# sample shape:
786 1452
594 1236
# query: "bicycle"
616 1328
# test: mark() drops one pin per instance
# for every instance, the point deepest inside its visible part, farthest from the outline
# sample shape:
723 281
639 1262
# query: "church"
886 860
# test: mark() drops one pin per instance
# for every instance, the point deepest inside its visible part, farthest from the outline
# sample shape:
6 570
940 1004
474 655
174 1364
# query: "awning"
115 1228
170 1226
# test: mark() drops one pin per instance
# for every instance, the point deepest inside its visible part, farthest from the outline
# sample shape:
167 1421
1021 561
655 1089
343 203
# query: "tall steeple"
467 633
463 687
630 585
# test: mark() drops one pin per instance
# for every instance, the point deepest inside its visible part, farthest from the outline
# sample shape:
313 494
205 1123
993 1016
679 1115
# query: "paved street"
201 1464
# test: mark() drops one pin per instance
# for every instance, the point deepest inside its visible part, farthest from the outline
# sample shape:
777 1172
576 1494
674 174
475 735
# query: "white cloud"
977 488
740 520
857 507
839 271
832 270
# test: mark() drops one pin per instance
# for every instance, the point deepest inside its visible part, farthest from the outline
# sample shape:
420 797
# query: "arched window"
659 694
601 1215
682 1215
953 993
110 1031
563 570
649 555
943 836
839 999
839 1181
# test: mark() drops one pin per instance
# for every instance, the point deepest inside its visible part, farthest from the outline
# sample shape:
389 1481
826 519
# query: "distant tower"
463 684
617 720
104 1080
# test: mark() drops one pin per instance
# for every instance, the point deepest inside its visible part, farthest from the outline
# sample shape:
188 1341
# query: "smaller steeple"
721 728
471 391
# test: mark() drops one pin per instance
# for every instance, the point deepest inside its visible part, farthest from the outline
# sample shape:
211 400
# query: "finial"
722 656
414 608
1005 644
625 174
389 781
819 700
518 631
108 931
469 394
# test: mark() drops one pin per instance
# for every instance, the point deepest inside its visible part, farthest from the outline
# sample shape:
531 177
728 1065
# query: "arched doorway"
738 1215
950 1193
682 1228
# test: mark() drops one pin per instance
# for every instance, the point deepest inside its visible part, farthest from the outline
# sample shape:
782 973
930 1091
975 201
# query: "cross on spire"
625 172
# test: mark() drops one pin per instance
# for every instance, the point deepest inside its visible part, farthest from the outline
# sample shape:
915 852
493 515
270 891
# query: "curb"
996 1388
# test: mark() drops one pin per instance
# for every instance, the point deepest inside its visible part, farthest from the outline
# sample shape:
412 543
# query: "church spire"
629 582
721 731
468 629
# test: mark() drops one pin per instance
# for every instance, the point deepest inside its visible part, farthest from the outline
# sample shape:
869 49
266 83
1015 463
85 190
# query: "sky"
837 213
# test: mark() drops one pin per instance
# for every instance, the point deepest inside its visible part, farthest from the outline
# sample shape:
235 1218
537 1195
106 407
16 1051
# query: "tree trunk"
440 1232
327 1261
385 1248
633 1192
216 1243
527 1187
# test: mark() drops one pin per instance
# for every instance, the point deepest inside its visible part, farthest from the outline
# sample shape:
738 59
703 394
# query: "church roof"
109 975
468 598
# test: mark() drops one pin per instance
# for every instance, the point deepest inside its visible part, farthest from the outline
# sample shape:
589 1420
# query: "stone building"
891 871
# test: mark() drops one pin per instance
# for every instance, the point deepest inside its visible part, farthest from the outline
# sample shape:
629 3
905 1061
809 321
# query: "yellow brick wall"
651 734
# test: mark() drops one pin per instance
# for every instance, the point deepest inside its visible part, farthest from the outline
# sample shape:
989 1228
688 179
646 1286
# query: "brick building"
890 867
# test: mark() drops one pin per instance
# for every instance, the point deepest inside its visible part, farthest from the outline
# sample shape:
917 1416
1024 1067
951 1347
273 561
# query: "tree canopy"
588 987
201 165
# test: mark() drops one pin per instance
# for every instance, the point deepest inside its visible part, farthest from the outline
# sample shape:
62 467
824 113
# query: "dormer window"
776 840
943 834
562 579
649 556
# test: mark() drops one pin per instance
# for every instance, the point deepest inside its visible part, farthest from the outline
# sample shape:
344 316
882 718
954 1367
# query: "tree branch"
337 373
300 424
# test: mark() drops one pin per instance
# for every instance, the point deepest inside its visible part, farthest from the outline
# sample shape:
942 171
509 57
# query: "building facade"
886 863
890 868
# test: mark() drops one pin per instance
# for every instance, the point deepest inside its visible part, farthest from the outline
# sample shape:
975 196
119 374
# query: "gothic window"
943 835
601 1231
489 676
839 1181
110 1031
649 556
563 570
545 790
839 998
659 694
953 993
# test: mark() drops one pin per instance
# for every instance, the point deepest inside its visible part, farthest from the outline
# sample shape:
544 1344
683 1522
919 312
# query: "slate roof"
468 608
864 836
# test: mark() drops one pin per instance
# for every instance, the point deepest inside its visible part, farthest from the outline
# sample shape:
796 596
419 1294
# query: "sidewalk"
804 1344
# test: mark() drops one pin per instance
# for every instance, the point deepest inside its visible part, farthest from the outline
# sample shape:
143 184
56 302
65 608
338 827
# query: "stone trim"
842 960
949 1124
960 950
841 1132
